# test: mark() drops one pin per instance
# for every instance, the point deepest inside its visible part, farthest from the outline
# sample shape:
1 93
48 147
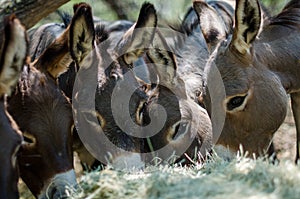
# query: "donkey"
13 54
44 114
114 69
256 81
120 59
188 128
42 37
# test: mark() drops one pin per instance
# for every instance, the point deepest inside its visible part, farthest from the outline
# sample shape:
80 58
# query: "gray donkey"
258 74
188 128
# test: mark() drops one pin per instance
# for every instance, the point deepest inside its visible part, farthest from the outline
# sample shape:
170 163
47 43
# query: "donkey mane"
31 77
212 57
101 33
65 17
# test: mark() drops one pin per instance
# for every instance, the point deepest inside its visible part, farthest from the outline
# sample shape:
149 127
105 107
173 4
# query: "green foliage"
168 10
274 6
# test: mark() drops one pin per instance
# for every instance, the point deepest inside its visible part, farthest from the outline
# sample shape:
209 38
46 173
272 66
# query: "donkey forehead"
50 127
104 93
40 105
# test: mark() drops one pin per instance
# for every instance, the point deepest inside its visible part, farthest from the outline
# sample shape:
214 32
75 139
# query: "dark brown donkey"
181 122
114 70
115 31
44 114
258 73
42 36
12 57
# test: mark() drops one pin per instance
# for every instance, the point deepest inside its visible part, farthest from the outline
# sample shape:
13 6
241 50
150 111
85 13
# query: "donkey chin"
60 186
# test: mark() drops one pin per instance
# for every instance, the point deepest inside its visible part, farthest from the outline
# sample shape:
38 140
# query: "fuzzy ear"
163 59
138 38
74 43
212 27
247 24
13 54
82 32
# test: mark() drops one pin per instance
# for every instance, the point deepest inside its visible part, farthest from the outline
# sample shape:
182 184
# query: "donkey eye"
29 139
235 102
179 129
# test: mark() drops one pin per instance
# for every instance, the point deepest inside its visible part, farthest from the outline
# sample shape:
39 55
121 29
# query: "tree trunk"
29 12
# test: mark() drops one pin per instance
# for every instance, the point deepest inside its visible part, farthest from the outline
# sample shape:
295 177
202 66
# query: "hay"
241 178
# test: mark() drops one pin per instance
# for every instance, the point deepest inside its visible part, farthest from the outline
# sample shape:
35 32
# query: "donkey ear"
82 32
164 63
13 54
74 44
211 25
247 24
139 37
163 59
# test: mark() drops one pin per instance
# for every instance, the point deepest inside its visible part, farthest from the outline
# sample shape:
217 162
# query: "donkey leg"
272 154
295 97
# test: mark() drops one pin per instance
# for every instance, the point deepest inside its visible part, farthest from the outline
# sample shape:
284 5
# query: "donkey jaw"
59 186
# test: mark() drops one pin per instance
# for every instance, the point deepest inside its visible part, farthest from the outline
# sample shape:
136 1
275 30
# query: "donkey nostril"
140 112
53 193
101 120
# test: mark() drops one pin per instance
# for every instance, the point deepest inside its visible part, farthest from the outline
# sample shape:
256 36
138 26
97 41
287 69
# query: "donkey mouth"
60 186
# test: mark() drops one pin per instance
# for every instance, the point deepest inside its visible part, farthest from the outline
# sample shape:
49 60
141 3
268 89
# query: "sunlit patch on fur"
14 156
139 113
101 120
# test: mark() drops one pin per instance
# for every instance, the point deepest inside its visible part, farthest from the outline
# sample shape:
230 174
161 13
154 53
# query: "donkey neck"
278 46
281 55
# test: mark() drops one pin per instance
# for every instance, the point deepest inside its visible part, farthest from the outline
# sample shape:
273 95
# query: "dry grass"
239 178
217 179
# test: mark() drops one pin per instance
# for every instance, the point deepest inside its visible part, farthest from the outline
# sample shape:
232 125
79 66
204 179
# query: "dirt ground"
285 138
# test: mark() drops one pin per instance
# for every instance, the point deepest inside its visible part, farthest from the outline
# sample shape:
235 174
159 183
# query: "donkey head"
255 102
187 128
114 71
44 114
13 53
